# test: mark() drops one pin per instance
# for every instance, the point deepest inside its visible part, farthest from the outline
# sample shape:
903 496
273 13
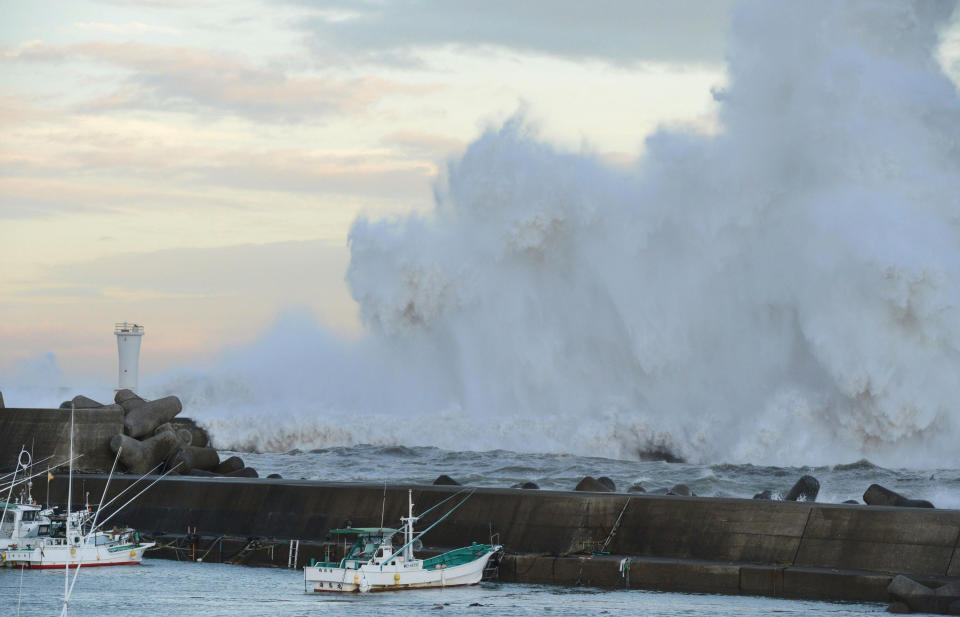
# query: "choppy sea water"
503 468
162 587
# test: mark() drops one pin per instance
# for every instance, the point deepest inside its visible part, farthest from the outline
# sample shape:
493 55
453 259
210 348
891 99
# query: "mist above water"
783 292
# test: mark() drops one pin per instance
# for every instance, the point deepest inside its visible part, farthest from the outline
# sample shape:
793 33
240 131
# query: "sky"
195 166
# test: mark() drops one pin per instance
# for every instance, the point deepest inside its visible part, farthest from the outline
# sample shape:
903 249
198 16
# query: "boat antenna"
37 462
131 485
421 534
105 487
7 485
12 483
33 448
66 572
104 521
383 506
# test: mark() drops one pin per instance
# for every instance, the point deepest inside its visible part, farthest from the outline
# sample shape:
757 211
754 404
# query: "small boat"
371 564
36 539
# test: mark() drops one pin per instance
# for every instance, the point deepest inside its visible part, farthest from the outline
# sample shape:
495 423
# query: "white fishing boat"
35 539
372 564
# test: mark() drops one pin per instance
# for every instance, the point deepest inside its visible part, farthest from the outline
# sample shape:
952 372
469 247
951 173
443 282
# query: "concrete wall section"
47 432
713 529
552 523
954 570
879 539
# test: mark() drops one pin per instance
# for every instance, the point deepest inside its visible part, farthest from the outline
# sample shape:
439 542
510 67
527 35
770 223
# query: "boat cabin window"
379 552
29 515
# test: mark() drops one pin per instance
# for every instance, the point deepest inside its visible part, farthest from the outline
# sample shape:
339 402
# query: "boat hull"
39 558
392 577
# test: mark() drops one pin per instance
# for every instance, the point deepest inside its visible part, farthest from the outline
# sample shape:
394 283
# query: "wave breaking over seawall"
785 291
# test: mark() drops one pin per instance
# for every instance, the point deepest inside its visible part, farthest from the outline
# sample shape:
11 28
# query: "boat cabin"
373 545
22 520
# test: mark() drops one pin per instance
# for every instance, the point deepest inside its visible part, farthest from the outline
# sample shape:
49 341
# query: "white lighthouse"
128 344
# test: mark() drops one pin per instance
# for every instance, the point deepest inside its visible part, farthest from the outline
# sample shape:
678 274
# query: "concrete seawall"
816 551
46 432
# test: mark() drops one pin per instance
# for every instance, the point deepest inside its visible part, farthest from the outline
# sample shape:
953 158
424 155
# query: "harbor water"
161 587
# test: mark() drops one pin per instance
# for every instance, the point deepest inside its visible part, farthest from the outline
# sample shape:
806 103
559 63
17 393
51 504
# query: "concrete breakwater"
803 550
46 433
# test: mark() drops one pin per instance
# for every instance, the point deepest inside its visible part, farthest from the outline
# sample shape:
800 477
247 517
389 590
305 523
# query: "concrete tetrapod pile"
154 438
913 597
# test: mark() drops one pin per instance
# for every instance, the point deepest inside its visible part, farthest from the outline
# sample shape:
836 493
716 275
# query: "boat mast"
66 578
408 529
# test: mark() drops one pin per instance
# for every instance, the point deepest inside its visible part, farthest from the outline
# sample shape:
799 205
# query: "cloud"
46 196
681 31
128 28
38 184
428 145
275 269
16 111
61 291
187 78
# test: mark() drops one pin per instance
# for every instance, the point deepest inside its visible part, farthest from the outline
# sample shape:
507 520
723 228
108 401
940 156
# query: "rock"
526 485
904 587
853 502
593 485
764 495
142 456
948 598
185 436
607 482
950 590
445 480
1 401
275 476
246 472
681 490
899 608
636 487
201 472
199 436
234 463
918 597
81 402
806 489
128 399
877 495
192 457
142 420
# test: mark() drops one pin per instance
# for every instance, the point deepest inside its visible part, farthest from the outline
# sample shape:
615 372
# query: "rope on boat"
439 520
435 506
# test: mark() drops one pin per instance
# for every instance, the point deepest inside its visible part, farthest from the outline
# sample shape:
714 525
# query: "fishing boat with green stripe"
372 564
